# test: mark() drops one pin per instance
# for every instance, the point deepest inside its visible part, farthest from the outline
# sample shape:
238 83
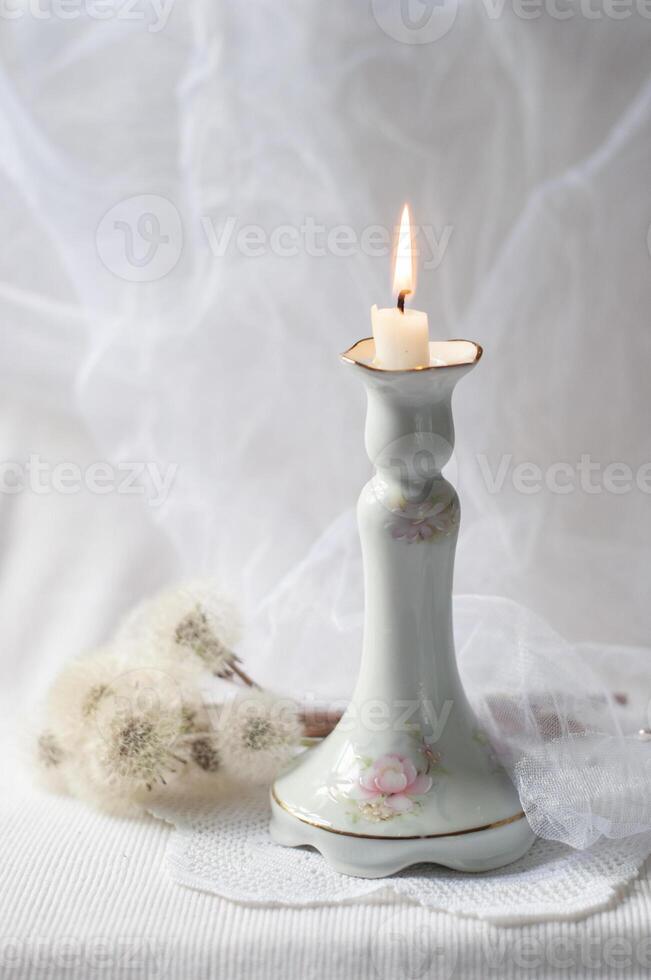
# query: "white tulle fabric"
531 139
564 719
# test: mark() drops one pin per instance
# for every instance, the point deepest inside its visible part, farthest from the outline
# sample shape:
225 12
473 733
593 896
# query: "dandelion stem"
319 722
243 675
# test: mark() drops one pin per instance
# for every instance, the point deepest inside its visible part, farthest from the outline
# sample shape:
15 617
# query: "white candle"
401 336
401 339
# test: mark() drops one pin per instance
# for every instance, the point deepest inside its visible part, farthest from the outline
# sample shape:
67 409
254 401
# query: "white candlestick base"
373 857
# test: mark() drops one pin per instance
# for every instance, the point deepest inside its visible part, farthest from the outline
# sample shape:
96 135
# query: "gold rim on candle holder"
349 358
350 833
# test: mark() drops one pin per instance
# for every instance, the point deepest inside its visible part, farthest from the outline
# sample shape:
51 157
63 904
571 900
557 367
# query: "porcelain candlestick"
407 776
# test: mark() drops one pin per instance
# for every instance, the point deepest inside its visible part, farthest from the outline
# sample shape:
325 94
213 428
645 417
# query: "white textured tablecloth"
84 894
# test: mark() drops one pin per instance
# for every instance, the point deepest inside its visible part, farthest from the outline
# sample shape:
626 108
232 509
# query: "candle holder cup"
407 776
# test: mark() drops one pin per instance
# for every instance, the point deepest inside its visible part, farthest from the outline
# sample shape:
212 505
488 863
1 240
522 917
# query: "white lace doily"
226 849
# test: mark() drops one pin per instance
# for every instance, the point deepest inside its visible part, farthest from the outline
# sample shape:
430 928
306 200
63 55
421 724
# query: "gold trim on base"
350 833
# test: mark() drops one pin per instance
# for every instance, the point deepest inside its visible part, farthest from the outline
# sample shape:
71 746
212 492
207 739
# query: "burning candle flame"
403 276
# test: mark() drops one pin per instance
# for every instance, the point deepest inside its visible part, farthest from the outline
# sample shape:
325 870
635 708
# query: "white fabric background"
531 138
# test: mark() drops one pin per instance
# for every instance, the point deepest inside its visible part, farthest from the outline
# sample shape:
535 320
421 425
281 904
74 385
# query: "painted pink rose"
411 530
441 519
395 778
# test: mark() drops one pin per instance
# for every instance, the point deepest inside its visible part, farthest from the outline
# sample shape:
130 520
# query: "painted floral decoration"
387 787
442 518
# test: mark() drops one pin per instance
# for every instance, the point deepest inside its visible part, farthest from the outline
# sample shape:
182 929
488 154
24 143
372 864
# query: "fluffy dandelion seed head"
141 734
49 760
257 734
87 684
140 750
93 697
76 693
50 752
204 754
195 635
192 719
126 723
196 623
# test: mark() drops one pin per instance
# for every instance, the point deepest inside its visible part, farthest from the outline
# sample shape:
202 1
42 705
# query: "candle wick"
401 299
